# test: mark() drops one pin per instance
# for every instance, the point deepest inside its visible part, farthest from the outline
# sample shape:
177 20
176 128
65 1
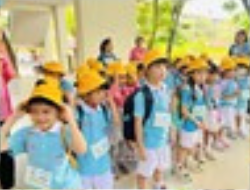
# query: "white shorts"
104 181
190 139
228 115
213 121
156 159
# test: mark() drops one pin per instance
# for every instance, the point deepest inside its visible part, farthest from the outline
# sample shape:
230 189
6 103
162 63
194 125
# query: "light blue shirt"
95 127
244 86
228 88
240 50
190 103
155 136
46 152
67 86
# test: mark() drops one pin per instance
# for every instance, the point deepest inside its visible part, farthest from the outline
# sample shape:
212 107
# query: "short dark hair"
160 61
39 101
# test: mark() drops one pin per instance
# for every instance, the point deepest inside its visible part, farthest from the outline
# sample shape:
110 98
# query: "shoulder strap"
148 98
63 139
105 112
81 115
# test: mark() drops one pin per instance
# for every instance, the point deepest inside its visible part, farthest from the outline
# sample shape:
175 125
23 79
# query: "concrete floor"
229 171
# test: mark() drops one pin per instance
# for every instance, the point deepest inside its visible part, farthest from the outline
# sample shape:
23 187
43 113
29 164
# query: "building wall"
108 18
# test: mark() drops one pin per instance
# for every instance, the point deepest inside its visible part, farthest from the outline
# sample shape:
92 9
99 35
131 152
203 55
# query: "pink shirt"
120 94
7 72
137 54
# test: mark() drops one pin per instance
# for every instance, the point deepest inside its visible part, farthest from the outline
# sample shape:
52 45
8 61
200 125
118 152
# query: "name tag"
37 177
162 120
199 111
100 148
245 94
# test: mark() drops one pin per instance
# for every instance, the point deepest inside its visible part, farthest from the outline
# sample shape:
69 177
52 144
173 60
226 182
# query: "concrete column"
61 34
79 13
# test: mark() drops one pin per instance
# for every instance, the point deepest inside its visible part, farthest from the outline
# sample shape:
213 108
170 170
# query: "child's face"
230 74
43 116
200 76
157 72
122 79
213 77
96 97
242 72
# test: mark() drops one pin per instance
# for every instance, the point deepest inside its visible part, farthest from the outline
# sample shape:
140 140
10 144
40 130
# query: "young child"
118 75
243 81
193 109
214 116
54 71
229 96
153 135
48 165
96 114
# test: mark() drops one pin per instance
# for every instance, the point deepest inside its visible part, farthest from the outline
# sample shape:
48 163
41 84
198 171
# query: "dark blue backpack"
128 112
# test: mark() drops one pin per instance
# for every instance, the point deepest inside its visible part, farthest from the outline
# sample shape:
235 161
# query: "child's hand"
20 110
67 114
142 154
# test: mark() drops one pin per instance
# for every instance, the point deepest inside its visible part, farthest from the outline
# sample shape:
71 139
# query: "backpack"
128 112
81 114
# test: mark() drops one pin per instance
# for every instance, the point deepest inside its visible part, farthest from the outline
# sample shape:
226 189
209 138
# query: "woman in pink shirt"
7 72
138 52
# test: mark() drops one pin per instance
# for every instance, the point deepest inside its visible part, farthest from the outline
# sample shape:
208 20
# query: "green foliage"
70 19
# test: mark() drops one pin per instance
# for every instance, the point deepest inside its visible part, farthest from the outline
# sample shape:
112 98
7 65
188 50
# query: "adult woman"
138 52
241 46
106 55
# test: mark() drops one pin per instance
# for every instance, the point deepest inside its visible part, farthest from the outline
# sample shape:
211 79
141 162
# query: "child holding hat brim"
48 163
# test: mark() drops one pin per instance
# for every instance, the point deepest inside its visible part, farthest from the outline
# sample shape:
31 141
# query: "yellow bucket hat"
95 65
131 70
245 61
197 64
49 91
116 68
227 63
90 81
153 55
82 70
54 67
184 62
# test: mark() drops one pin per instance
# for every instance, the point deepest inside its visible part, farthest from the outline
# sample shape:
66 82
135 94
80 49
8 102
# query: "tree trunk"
246 4
176 15
155 23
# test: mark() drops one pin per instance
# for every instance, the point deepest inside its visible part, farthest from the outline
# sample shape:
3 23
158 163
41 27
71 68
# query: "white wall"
108 18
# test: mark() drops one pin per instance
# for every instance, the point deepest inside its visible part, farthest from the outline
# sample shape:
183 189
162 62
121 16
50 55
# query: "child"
152 136
118 75
138 52
96 114
55 71
48 165
243 81
213 101
229 96
193 109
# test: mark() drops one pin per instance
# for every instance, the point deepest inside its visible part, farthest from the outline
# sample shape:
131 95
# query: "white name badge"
199 111
100 148
162 120
245 94
37 177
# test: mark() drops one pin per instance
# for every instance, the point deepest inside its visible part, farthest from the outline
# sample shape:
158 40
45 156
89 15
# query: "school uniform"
213 102
190 134
228 107
242 104
95 165
48 165
155 131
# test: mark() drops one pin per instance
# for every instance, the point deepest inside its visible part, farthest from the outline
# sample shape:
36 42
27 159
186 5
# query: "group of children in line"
171 116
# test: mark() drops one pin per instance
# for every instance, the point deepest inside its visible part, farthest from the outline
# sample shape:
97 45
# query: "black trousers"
7 170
